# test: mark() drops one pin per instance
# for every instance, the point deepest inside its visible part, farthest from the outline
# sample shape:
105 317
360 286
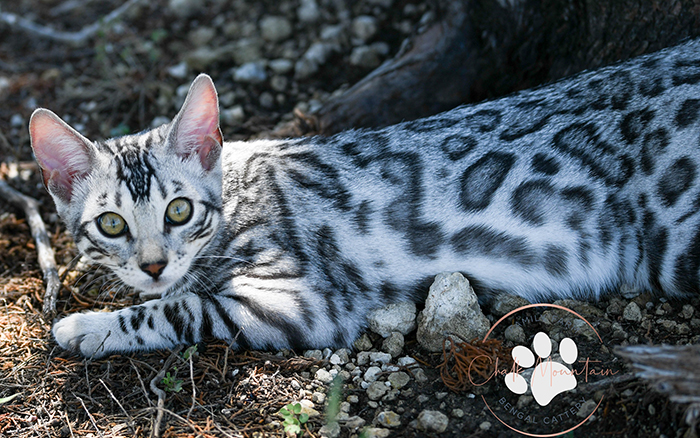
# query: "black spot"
361 216
149 321
688 266
622 83
675 180
479 240
555 260
134 169
688 113
542 163
486 120
425 239
137 319
538 116
580 195
457 146
634 123
122 323
480 181
389 291
686 72
581 142
653 146
528 200
655 239
652 87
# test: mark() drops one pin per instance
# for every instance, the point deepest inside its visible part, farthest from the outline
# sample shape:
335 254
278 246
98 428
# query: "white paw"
84 333
549 377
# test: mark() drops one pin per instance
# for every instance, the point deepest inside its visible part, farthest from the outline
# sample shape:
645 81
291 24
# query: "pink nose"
154 269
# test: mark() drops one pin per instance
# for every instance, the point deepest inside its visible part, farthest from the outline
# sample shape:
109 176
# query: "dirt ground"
132 73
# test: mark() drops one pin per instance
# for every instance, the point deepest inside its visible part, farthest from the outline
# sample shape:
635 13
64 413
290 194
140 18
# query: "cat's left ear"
195 129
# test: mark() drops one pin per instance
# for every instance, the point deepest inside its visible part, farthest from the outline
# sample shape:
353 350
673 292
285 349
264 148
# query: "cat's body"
568 190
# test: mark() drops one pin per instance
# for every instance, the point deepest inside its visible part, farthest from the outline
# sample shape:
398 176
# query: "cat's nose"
154 269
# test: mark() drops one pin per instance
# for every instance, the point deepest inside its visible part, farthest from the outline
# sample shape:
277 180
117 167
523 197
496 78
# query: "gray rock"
201 36
632 312
184 8
388 419
376 390
314 354
432 421
586 409
178 71
362 357
323 376
363 343
399 379
503 304
364 28
399 317
202 57
365 57
313 58
281 66
246 50
379 357
330 430
515 333
372 373
687 311
451 307
393 344
376 432
275 28
344 355
308 11
250 73
232 116
354 423
406 361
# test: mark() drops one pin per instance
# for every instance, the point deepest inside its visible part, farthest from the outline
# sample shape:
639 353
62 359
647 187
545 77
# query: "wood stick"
45 254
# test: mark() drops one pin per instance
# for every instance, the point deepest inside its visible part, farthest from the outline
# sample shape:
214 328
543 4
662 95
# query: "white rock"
405 361
376 390
632 312
323 376
250 73
399 317
308 11
281 66
185 8
232 116
178 71
371 374
393 344
432 421
379 357
364 27
365 57
376 432
451 307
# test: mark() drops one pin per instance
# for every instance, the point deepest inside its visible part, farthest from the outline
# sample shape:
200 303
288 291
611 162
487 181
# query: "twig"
160 393
47 262
131 420
194 388
92 419
77 38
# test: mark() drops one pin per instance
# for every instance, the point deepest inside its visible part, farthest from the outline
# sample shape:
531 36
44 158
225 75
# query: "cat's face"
143 205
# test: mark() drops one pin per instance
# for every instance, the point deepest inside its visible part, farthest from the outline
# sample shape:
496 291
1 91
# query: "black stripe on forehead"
134 168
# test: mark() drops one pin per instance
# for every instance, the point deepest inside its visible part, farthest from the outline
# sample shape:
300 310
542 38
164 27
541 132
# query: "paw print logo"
549 378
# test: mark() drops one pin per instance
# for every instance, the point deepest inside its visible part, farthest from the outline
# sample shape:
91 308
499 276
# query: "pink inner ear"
62 153
199 120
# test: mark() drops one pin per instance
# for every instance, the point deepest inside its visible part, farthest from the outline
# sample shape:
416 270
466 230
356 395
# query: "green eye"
179 211
111 224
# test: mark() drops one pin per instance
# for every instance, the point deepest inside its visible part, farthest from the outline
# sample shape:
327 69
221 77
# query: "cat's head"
145 204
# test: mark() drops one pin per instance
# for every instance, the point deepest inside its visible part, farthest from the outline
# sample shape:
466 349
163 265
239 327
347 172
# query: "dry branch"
47 262
78 38
672 370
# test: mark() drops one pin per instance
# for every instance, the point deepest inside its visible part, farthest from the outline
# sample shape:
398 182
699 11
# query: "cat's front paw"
84 333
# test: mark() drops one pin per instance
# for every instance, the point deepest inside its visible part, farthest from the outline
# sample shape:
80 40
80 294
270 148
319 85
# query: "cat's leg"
156 324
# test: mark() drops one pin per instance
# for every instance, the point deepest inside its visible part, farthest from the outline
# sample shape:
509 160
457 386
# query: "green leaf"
285 412
297 408
303 418
8 399
293 428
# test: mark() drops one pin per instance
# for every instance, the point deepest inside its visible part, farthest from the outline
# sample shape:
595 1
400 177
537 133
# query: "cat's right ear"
64 155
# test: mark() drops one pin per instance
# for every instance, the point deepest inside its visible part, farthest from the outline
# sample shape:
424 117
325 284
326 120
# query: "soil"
121 81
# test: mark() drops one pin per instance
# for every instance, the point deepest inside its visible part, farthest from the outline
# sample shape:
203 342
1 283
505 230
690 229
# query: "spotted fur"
568 190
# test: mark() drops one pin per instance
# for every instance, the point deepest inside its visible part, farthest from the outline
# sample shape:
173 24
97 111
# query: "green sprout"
293 418
171 382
